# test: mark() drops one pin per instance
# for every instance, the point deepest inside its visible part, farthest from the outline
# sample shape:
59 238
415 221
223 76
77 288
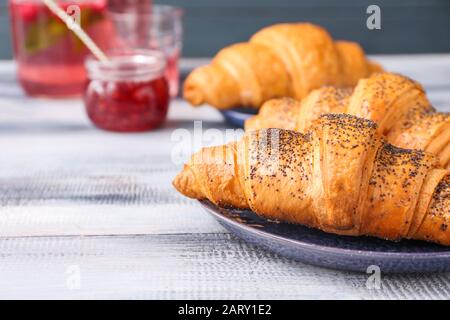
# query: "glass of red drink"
155 27
128 93
50 58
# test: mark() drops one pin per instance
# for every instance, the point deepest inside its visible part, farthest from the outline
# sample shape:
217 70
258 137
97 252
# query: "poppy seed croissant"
340 177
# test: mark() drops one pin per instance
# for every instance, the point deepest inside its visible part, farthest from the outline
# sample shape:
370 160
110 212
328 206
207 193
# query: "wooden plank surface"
183 266
80 203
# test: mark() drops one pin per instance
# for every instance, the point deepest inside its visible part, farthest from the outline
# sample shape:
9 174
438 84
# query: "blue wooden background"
408 26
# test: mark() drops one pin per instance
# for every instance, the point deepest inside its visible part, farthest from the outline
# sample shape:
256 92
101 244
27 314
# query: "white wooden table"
91 214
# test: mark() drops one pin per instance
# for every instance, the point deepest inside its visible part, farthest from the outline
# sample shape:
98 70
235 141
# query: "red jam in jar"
127 93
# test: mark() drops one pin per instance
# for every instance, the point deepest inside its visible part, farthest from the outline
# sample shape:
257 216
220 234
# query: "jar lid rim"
127 63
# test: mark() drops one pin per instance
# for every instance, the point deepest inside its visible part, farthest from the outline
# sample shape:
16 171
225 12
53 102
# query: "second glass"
157 27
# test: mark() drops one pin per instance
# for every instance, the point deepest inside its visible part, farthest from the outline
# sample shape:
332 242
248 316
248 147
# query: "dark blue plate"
327 250
237 116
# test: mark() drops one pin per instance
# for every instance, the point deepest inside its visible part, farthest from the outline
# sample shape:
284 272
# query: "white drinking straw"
75 27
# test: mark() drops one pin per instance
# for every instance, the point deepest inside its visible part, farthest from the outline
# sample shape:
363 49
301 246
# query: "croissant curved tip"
193 93
375 67
180 181
185 183
252 123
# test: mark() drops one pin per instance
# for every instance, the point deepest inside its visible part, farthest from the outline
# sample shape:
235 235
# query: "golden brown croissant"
283 60
398 104
340 177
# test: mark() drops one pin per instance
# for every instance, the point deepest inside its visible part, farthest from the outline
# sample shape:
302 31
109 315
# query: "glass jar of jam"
129 92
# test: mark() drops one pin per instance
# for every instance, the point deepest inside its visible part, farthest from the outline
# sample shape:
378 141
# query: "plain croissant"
340 177
396 103
283 60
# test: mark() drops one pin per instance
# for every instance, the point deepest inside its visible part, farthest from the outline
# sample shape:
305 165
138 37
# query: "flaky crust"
283 60
340 177
396 103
